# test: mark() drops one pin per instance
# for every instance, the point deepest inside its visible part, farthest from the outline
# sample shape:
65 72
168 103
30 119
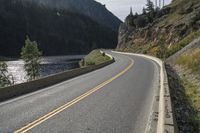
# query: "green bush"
5 78
90 63
103 54
192 93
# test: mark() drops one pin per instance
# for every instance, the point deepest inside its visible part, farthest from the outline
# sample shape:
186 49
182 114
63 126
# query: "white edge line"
160 125
107 54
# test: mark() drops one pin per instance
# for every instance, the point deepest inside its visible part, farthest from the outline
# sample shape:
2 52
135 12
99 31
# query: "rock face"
169 26
126 29
90 8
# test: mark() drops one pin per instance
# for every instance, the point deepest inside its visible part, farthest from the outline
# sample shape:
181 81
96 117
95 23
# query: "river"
49 65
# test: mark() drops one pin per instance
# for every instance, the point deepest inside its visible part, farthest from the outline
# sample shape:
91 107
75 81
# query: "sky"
121 8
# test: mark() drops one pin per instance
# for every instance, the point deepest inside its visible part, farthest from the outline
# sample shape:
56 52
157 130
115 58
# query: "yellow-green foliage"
191 60
185 41
154 51
192 93
93 58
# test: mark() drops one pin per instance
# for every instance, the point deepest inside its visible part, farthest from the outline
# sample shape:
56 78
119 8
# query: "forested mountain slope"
90 8
57 31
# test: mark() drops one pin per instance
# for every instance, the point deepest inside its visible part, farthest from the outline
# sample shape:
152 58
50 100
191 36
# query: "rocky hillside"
57 31
165 30
90 8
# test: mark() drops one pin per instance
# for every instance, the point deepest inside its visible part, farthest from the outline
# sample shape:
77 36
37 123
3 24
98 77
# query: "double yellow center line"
67 105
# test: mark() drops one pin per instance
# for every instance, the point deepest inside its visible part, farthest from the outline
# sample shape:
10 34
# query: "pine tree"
136 15
31 56
150 6
150 10
144 11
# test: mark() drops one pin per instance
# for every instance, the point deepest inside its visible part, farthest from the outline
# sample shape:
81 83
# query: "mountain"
57 31
90 8
162 35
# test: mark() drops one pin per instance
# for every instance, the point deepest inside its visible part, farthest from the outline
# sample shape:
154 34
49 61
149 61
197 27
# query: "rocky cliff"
169 26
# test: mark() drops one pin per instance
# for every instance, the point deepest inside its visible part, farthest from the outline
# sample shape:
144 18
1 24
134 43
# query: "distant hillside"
57 31
90 8
169 30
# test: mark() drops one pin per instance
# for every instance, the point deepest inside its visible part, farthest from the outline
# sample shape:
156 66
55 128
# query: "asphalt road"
115 99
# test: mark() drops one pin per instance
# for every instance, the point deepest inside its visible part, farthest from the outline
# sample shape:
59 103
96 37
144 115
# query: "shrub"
154 51
90 63
140 22
103 54
162 51
5 78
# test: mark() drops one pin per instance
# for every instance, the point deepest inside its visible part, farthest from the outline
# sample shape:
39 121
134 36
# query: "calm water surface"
49 65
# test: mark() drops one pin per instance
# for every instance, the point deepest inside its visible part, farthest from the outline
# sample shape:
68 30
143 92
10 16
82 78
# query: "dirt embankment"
183 70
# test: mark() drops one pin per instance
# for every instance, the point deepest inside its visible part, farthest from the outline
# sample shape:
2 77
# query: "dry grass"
191 60
192 92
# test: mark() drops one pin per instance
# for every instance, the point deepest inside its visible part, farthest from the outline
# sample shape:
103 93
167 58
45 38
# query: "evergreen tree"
150 6
136 15
144 11
31 56
150 10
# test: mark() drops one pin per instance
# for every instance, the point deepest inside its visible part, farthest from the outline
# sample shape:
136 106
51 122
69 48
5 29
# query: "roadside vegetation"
192 93
5 78
186 100
187 90
182 43
191 60
163 52
31 56
94 58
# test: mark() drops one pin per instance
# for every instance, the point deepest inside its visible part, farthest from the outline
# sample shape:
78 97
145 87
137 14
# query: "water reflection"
49 65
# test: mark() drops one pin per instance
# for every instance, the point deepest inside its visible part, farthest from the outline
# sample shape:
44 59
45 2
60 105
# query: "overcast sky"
121 8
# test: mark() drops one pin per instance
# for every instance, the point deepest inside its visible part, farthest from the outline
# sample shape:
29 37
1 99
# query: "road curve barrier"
166 119
31 86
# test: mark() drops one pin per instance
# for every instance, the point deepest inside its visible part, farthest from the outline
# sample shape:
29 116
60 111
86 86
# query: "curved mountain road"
115 99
